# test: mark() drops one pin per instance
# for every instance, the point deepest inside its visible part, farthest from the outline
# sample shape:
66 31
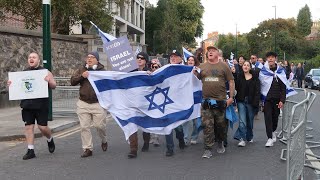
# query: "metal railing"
296 138
286 112
64 98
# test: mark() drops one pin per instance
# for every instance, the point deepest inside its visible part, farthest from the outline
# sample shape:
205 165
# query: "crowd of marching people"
231 92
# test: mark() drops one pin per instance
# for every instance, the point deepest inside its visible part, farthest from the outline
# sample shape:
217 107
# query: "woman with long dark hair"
248 96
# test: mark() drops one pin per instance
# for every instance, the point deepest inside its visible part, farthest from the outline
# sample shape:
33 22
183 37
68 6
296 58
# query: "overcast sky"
223 15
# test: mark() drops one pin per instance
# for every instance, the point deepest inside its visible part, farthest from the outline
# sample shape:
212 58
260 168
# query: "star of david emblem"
151 98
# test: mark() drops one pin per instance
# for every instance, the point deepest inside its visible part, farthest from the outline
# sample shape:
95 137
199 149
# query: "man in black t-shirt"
36 109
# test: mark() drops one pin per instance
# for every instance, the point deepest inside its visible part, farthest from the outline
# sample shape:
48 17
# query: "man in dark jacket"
36 109
88 108
299 75
142 60
274 101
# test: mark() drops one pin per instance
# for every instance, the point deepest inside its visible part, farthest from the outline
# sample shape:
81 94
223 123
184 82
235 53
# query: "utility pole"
236 55
46 13
275 29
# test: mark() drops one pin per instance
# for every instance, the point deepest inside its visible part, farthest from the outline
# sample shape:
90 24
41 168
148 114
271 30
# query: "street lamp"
236 41
275 31
46 16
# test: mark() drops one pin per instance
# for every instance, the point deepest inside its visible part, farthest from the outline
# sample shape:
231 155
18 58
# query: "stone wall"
67 53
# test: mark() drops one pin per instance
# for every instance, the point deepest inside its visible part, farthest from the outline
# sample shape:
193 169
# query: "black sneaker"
29 155
182 144
225 143
51 146
169 153
132 154
145 147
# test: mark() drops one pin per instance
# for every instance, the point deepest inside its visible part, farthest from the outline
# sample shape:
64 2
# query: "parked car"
312 79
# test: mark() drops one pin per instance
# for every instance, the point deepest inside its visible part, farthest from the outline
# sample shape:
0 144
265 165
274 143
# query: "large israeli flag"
104 36
266 77
186 54
155 103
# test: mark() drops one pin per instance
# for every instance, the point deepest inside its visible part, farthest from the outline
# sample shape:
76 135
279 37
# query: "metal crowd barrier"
64 98
286 112
311 144
296 139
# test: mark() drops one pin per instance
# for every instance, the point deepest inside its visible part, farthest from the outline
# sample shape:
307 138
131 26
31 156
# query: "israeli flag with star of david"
266 77
155 103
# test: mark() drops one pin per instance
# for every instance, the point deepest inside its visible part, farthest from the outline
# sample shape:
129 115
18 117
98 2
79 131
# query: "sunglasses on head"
139 57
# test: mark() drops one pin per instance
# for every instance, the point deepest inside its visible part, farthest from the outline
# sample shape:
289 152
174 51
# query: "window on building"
141 18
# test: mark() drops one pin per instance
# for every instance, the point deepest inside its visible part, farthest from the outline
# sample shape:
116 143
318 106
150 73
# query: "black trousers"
299 83
271 115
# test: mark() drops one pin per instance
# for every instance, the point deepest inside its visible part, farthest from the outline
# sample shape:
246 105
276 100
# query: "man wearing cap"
175 58
142 60
88 108
214 74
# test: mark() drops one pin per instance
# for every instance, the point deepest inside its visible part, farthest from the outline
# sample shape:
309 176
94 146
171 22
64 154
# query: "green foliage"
172 24
262 38
304 22
64 13
227 43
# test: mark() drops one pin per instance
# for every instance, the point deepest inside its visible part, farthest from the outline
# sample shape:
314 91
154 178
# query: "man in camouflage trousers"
214 75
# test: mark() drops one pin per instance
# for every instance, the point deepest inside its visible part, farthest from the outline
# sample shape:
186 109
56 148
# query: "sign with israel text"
120 55
155 103
28 84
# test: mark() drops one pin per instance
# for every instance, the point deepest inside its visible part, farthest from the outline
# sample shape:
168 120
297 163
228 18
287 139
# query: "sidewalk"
11 124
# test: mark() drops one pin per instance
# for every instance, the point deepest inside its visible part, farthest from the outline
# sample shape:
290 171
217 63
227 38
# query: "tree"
227 43
152 28
261 39
173 24
65 13
304 22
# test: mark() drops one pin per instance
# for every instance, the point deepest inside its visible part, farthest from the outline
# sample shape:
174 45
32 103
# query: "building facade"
211 41
315 31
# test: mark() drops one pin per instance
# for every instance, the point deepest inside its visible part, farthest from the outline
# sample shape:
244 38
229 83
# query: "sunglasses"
139 57
154 67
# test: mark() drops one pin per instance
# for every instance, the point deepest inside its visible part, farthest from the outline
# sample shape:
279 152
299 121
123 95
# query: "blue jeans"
195 131
187 131
169 138
246 116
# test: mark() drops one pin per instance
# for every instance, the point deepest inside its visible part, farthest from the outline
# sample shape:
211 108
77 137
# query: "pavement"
12 126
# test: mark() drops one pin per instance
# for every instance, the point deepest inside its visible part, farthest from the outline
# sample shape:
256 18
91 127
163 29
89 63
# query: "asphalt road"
251 162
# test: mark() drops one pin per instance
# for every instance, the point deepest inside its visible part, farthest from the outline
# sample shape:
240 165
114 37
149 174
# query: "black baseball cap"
175 52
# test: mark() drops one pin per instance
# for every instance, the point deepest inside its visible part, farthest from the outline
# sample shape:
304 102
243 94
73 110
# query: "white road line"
67 133
313 163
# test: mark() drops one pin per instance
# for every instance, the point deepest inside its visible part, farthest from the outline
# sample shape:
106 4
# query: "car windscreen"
316 72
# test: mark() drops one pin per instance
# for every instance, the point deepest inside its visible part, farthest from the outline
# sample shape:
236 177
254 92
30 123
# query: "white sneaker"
207 154
269 143
251 141
274 137
242 143
193 142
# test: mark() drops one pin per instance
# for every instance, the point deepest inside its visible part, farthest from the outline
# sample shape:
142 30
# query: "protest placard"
28 84
120 55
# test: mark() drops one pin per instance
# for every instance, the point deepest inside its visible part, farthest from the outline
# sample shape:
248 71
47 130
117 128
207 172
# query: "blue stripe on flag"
279 71
197 97
147 122
141 80
266 72
289 91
